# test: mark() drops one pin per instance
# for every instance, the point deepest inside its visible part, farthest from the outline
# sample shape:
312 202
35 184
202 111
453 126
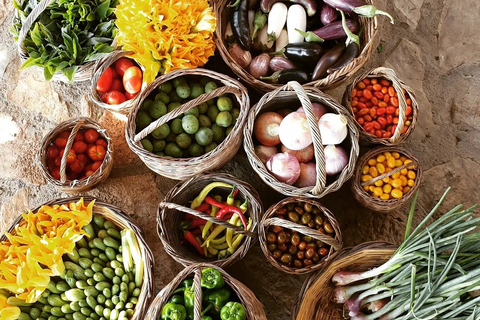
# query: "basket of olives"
299 235
187 122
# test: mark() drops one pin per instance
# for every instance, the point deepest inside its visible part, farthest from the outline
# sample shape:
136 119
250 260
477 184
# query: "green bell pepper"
189 297
206 318
233 311
184 284
212 279
216 298
172 311
177 299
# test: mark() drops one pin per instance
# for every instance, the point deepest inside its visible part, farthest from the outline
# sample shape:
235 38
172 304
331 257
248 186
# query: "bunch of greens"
67 34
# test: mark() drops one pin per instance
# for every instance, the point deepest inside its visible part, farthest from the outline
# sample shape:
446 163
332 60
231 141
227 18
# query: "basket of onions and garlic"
308 152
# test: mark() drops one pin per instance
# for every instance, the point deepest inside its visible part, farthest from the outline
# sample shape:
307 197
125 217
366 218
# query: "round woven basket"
315 300
121 220
385 73
176 202
369 25
184 168
270 219
377 204
100 67
76 186
253 307
291 93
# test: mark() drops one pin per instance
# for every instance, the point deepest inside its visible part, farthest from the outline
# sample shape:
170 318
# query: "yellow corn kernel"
366 177
404 180
380 168
372 162
396 183
404 171
397 194
396 155
396 175
410 182
407 162
371 188
387 154
373 172
398 163
378 183
386 179
378 192
391 162
387 188
411 174
365 169
402 158
385 196
380 158
366 188
406 189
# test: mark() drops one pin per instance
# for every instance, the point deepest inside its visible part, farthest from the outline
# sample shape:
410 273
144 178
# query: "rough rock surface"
432 47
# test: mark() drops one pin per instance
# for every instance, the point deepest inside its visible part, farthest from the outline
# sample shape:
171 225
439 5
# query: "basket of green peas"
187 122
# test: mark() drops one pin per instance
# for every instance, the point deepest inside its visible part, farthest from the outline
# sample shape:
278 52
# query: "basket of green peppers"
205 292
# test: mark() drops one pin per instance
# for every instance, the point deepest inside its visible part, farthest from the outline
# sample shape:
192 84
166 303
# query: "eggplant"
328 60
309 5
259 65
280 63
358 6
304 53
328 14
284 76
332 31
240 26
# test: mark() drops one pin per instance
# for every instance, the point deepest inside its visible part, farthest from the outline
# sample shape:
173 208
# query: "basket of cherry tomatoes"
76 156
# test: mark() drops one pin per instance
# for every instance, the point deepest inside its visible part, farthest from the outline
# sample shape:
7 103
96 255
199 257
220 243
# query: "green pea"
173 150
183 140
210 147
196 150
224 119
158 145
224 104
218 133
229 129
174 97
195 90
146 104
179 81
204 136
147 145
162 96
193 111
143 120
190 124
157 109
183 91
210 86
161 132
204 121
212 113
166 87
235 113
202 108
170 138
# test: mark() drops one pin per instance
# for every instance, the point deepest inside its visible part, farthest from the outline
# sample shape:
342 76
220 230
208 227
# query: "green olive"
293 216
210 147
147 145
143 120
190 124
224 119
157 109
224 104
204 80
171 137
271 237
176 126
218 133
306 217
146 104
174 97
204 136
160 154
173 150
158 145
272 247
292 249
307 207
162 96
203 108
328 227
210 86
196 90
172 106
235 113
212 113
179 81
166 87
183 91
204 121
286 258
318 220
228 130
307 239
196 150
193 111
161 132
183 140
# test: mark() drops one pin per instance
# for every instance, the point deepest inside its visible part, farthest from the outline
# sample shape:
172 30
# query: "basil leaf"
101 10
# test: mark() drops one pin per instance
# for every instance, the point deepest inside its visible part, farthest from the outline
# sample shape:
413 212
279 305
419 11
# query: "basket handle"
68 146
388 174
304 230
184 108
27 24
197 281
315 131
205 216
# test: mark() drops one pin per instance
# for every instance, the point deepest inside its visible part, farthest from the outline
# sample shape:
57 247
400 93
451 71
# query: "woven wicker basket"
100 67
253 307
367 138
176 202
184 168
376 204
369 25
291 93
76 186
270 219
121 220
315 301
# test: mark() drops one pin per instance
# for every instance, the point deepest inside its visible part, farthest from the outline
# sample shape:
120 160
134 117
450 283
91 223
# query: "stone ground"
433 47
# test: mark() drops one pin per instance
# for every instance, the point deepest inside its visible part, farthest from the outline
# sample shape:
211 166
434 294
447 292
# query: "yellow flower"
8 312
205 22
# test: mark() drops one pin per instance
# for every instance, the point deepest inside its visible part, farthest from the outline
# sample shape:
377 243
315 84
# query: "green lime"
224 119
173 150
174 97
158 145
179 81
183 140
196 150
229 129
204 121
210 86
171 137
218 133
157 109
202 108
162 96
204 80
212 113
161 132
204 136
224 104
210 147
195 90
143 120
176 126
190 124
183 90
147 144
146 104
166 87
193 111
235 113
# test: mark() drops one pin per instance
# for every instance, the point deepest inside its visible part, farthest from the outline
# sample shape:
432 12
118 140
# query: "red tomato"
80 147
132 72
51 165
104 96
83 159
91 135
96 165
96 153
72 156
101 142
58 161
117 85
52 152
72 176
133 84
79 136
122 64
55 173
89 173
89 167
115 75
105 80
115 97
77 166
129 95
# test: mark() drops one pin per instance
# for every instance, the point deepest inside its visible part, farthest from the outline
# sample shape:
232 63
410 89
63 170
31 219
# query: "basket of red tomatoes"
116 82
76 156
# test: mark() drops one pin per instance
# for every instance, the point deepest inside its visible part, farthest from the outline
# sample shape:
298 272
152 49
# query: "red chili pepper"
213 202
235 193
203 207
196 232
194 223
191 239
231 209
208 211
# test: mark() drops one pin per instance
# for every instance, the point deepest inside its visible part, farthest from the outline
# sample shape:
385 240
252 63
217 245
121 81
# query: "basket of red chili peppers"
204 292
209 218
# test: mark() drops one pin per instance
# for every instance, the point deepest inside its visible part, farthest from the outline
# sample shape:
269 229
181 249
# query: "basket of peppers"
209 218
204 292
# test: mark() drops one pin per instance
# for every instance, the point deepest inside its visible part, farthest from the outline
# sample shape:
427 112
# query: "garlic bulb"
336 158
333 128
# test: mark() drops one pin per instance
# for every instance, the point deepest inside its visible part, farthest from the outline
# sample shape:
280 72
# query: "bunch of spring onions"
433 275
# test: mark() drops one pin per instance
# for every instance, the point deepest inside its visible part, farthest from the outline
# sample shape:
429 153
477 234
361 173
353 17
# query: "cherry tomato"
133 84
104 96
55 173
61 140
52 152
96 153
121 65
77 166
88 167
105 80
96 165
101 142
51 165
132 72
91 135
89 173
72 176
115 97
79 136
72 156
129 95
80 147
58 161
117 85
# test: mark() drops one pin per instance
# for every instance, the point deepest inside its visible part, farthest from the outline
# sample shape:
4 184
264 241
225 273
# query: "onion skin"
308 175
284 167
264 152
294 131
333 128
318 110
284 112
336 159
267 127
303 156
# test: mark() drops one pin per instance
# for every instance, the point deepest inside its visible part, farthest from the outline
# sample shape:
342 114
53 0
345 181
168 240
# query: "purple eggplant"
328 60
332 31
358 6
328 14
284 76
309 5
239 22
280 63
304 53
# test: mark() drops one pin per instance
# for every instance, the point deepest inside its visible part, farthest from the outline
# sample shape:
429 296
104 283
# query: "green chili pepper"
201 196
212 279
231 196
189 297
183 285
172 311
177 299
233 311
206 318
216 298
244 206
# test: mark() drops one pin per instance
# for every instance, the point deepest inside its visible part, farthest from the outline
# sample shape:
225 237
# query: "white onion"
303 155
333 128
308 175
264 152
294 131
336 158
284 167
318 110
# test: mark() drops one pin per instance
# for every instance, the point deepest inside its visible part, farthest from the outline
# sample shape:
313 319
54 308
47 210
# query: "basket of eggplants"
268 43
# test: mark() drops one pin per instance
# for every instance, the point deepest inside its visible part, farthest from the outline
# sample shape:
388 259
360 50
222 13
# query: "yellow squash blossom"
8 312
